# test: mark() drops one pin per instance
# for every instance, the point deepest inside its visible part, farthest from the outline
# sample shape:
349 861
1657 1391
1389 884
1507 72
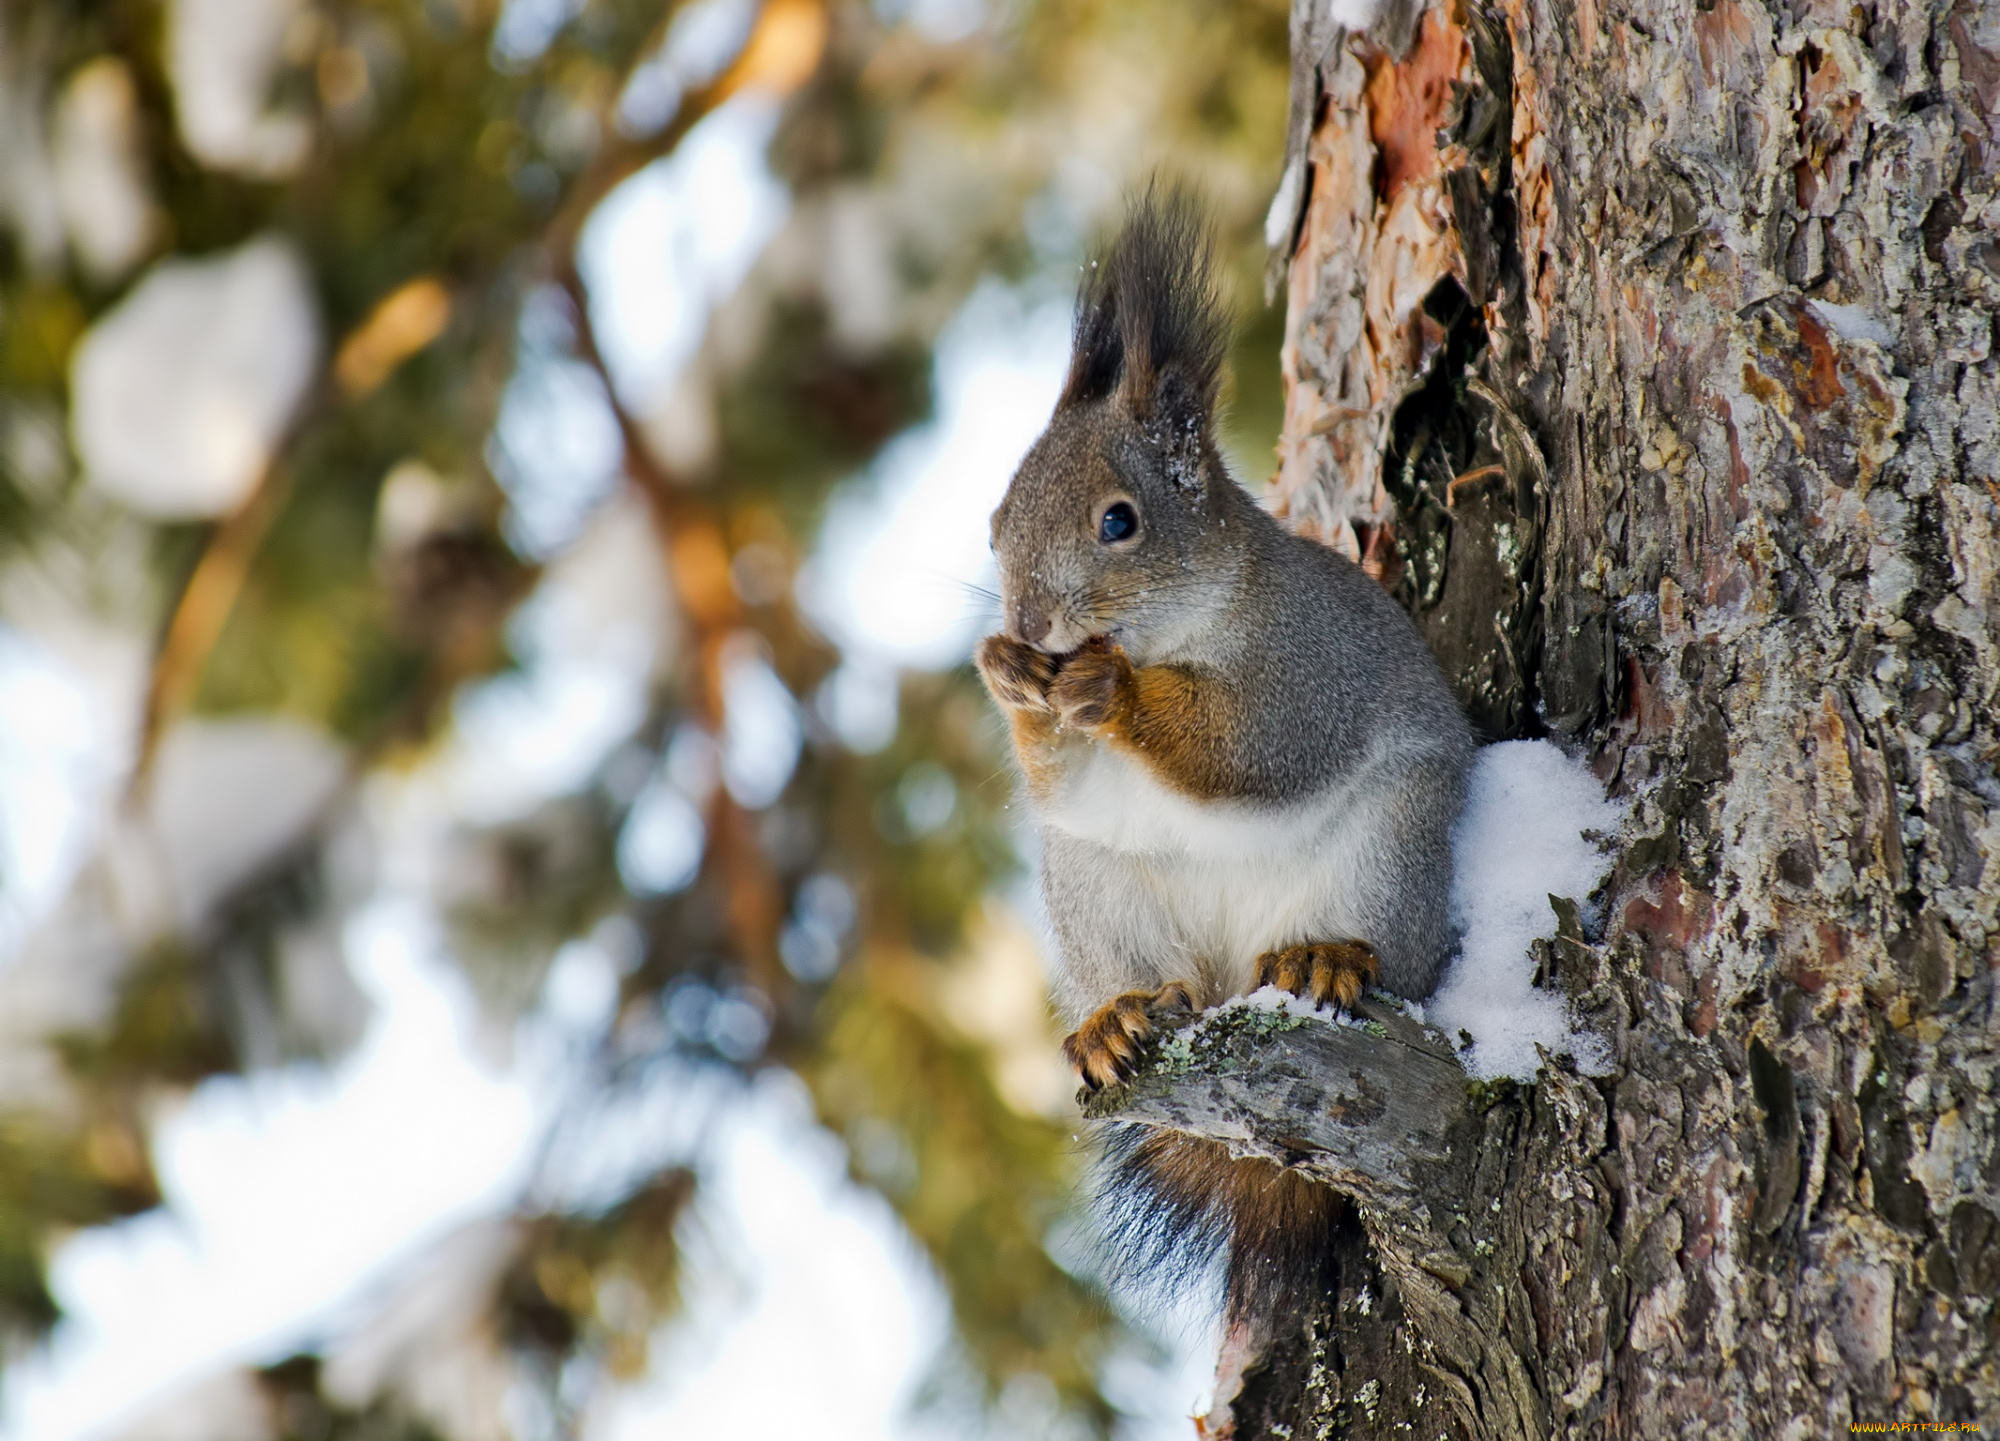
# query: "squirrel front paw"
1018 675
1091 689
1320 971
1105 1049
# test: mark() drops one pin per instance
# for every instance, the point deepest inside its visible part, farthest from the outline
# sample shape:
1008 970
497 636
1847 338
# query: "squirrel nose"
1031 623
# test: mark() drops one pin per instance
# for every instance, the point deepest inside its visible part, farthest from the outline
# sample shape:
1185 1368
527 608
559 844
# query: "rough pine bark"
1646 350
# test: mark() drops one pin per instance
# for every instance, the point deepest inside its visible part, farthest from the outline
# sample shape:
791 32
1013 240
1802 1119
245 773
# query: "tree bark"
1646 351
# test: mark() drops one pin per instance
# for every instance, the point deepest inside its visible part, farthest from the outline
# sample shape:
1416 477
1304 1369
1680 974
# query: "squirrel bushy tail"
1172 1205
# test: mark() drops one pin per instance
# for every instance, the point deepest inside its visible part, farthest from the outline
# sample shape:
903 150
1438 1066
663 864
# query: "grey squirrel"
1245 764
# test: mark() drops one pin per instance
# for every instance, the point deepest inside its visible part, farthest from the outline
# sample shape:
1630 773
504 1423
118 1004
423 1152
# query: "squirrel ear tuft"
1150 326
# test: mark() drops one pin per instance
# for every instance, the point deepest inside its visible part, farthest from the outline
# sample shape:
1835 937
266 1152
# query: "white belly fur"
1231 880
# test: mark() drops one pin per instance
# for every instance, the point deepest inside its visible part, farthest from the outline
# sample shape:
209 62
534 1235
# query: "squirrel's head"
1118 522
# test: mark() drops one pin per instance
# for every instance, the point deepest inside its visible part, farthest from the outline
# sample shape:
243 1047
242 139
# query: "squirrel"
1244 761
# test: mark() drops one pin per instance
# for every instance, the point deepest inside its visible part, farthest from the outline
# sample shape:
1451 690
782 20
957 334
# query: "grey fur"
1346 767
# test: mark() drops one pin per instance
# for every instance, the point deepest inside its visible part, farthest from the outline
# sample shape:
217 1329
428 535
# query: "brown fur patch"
1321 970
1037 746
1017 676
1280 1222
1184 728
1105 1049
1169 717
1093 690
1179 724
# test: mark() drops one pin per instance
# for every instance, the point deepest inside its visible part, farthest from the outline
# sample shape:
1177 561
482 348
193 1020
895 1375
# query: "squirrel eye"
1120 522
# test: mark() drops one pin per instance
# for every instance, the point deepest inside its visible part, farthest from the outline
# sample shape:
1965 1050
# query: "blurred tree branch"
442 188
697 560
782 48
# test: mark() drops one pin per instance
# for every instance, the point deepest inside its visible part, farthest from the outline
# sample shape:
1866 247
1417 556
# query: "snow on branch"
1379 1105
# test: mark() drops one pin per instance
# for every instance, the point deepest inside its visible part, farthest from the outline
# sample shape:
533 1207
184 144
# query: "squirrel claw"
1106 1048
1088 690
1320 971
1018 675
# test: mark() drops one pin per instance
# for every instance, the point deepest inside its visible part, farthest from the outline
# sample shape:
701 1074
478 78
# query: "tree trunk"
1645 350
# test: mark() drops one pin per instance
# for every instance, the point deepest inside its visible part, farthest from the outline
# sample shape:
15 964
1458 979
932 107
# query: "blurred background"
512 917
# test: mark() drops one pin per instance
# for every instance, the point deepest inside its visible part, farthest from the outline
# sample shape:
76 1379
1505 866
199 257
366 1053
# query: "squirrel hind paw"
1321 971
1107 1047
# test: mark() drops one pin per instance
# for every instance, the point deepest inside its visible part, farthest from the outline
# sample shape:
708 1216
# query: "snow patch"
182 392
1278 1001
224 57
50 736
1853 322
1355 14
1522 838
100 171
228 798
1283 1002
1283 216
